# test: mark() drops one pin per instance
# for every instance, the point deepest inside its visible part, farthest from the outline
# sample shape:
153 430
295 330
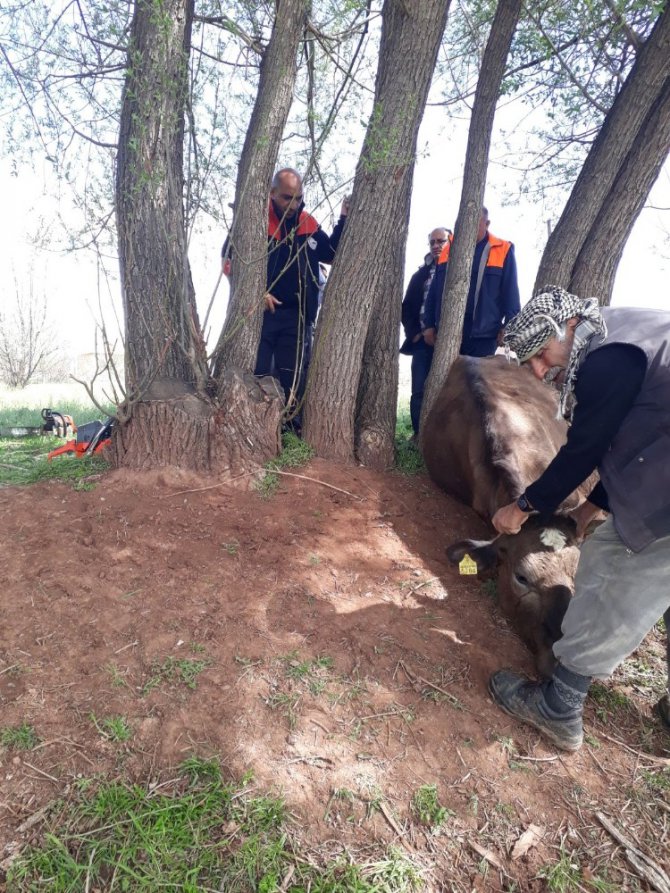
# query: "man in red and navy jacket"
296 245
493 297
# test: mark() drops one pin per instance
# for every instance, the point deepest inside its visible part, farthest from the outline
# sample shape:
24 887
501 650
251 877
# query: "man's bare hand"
509 518
271 302
346 206
583 515
417 338
429 337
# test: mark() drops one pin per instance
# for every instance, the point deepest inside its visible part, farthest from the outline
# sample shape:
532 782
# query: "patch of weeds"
658 781
314 560
286 703
313 672
295 453
505 809
507 744
591 740
426 807
607 700
232 548
113 728
489 588
175 670
564 876
408 458
344 795
21 737
24 461
116 676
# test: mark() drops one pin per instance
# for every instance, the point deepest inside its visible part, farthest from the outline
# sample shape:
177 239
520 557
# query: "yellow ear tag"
466 565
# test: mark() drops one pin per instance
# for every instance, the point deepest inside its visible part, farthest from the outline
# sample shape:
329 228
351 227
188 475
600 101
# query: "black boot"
527 701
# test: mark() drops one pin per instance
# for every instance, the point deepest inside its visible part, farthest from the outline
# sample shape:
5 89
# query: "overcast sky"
74 285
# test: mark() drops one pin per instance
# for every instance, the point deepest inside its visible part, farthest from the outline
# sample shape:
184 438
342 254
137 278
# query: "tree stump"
236 434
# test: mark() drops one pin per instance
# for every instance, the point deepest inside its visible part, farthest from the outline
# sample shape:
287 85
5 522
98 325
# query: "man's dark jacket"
295 247
413 302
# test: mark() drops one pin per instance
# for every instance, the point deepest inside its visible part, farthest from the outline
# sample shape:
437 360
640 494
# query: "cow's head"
536 575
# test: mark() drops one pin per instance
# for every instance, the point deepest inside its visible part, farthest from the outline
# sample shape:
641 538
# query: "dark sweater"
606 386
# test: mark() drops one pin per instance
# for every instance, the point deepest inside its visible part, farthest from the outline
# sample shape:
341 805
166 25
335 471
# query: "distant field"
23 406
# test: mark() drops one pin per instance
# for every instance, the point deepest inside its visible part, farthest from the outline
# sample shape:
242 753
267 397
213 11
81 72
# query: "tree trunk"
238 342
361 283
164 349
457 282
192 434
597 262
607 157
168 418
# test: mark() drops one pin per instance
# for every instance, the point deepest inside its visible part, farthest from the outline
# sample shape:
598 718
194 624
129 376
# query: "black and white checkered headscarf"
542 319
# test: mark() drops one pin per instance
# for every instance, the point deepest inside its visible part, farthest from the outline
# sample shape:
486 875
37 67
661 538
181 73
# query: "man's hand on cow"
429 337
271 302
582 516
509 518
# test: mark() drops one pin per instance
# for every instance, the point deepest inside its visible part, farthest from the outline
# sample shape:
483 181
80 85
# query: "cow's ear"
483 552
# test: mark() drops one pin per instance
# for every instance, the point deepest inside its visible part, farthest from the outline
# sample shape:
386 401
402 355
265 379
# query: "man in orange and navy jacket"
296 244
493 297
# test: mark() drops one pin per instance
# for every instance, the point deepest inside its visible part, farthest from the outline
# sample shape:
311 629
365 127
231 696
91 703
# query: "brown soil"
101 587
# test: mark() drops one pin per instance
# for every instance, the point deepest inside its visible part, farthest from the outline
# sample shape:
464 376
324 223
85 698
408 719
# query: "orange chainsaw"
91 438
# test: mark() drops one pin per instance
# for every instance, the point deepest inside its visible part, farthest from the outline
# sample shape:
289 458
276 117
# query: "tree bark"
359 283
191 433
607 159
596 265
457 282
164 349
168 417
238 342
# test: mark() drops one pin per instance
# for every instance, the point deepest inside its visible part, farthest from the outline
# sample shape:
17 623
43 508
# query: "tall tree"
238 343
359 284
168 418
626 156
163 355
457 282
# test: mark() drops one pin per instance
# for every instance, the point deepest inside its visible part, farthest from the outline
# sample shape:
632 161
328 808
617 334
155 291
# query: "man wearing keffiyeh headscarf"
612 368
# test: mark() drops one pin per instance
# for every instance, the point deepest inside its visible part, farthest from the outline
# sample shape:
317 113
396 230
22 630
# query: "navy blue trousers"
421 362
281 351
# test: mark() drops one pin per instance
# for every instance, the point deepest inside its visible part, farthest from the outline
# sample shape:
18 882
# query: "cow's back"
492 431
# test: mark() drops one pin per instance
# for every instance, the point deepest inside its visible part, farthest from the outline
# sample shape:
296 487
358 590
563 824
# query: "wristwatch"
523 503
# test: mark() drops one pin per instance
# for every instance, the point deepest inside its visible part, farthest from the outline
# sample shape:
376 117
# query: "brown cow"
492 431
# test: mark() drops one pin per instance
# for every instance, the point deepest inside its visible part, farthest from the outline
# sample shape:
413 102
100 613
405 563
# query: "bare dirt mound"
318 638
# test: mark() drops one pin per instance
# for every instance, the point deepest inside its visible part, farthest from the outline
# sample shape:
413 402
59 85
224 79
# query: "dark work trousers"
421 361
281 351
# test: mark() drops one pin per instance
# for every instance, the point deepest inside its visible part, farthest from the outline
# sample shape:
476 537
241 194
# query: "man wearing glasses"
296 245
493 297
414 344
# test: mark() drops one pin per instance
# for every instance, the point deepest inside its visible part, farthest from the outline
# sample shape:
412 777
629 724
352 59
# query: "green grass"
113 728
295 453
198 833
426 807
608 701
21 737
23 415
173 671
24 461
408 459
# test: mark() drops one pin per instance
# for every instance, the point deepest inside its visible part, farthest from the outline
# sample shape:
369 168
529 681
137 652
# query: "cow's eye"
521 580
